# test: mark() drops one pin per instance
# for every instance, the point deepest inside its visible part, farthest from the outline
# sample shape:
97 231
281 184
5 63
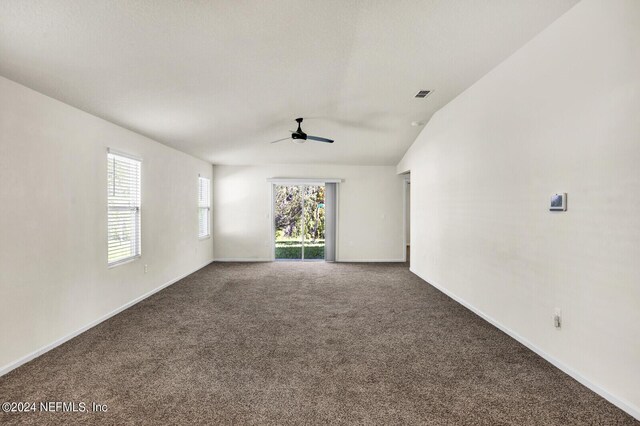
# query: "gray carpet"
288 343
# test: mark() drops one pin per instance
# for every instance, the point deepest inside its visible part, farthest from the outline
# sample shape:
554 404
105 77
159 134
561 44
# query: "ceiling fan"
300 137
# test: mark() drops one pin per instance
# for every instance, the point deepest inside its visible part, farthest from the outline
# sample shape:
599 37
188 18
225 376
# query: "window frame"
204 206
137 208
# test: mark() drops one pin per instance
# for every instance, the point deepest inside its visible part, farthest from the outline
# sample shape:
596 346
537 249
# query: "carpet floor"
285 343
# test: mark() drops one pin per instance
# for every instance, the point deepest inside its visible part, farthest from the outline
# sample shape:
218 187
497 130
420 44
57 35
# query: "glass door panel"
313 242
288 214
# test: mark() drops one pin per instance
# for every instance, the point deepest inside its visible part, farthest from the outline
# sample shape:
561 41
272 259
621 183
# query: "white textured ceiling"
220 79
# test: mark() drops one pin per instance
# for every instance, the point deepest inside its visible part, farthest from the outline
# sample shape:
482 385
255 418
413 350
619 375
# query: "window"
123 206
204 207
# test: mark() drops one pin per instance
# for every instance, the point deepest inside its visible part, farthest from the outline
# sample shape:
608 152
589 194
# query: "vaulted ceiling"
221 79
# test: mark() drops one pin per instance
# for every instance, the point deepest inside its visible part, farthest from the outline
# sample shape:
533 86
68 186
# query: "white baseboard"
242 259
618 402
248 259
15 364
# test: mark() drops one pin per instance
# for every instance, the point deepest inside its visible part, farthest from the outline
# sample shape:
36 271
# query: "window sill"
123 261
206 237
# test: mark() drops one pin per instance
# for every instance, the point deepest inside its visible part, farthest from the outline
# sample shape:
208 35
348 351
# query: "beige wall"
370 198
54 278
560 115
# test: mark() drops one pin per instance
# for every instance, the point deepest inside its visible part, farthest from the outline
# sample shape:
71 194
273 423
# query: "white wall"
54 278
369 210
560 115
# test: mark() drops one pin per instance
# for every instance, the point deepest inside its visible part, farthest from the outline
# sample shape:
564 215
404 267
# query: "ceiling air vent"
423 94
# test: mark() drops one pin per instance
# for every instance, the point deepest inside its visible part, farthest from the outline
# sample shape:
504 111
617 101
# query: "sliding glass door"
299 222
313 236
288 216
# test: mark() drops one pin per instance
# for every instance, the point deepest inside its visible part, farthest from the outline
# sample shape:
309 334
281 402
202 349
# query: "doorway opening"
407 217
299 216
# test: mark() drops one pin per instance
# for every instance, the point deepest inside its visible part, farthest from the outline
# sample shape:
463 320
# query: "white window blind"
204 207
123 204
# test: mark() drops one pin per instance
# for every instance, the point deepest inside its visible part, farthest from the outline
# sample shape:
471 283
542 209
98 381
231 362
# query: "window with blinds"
204 207
123 205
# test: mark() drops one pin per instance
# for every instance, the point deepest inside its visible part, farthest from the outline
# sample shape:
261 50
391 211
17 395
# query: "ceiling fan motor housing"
299 136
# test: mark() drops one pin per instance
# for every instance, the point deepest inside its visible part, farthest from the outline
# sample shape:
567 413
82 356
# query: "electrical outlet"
557 318
146 268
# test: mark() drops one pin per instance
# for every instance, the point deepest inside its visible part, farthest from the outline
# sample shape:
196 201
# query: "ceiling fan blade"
280 140
319 139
